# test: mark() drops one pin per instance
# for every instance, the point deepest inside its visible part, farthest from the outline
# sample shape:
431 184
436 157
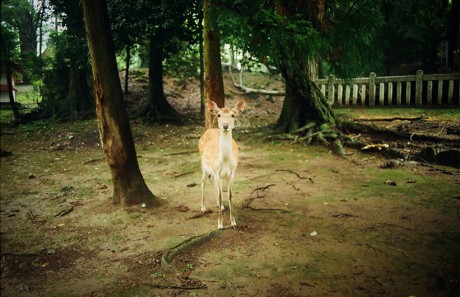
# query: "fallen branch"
248 201
251 90
262 189
388 119
298 175
373 129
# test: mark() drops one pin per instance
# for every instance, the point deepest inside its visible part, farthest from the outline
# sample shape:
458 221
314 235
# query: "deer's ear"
212 107
239 107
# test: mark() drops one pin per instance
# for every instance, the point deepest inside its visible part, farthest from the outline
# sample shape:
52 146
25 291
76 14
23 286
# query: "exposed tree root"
151 114
168 256
312 132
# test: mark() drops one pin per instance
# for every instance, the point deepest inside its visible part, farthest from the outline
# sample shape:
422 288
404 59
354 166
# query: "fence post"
330 90
418 87
372 89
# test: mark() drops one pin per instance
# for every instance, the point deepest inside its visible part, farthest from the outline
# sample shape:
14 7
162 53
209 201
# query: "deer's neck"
226 145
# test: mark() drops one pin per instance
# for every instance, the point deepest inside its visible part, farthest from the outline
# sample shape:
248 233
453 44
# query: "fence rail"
410 90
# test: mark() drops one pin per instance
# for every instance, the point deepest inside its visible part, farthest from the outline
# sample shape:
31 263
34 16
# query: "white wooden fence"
411 90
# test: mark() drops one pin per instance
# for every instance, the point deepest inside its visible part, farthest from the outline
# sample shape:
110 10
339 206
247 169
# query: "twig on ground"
261 189
298 175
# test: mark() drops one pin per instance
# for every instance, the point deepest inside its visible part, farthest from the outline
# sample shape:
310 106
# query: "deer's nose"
225 126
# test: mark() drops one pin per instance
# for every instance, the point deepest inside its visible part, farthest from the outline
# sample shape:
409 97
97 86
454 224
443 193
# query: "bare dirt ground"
310 223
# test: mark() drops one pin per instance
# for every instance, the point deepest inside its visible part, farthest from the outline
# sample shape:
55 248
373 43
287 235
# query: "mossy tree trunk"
129 187
213 67
305 110
157 107
303 104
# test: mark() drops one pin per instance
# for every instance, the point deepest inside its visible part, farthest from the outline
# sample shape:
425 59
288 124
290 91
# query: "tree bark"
129 187
27 41
304 105
213 67
9 83
128 61
202 89
157 107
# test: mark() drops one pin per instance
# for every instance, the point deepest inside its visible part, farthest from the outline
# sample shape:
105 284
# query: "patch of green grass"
425 191
31 98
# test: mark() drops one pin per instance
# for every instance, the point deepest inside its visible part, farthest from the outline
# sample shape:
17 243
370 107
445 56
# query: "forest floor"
310 223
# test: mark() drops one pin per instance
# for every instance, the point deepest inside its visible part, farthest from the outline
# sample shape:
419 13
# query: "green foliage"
346 39
352 44
413 30
127 22
185 63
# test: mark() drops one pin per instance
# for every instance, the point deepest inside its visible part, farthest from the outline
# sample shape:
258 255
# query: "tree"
127 29
213 67
169 24
417 27
294 35
67 94
8 46
21 15
117 141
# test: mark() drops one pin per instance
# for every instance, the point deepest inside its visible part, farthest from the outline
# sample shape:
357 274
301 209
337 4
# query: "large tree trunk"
78 103
304 103
453 36
200 42
157 107
28 42
9 82
129 187
305 110
213 66
128 62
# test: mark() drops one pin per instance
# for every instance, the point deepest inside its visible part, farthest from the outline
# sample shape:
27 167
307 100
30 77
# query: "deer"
219 155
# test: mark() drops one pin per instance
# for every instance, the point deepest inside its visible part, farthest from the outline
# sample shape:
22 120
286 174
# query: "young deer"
219 155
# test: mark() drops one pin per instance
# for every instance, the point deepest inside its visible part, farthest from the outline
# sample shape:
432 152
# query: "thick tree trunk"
304 103
157 107
305 109
200 42
9 83
129 187
79 93
453 36
128 61
28 42
213 66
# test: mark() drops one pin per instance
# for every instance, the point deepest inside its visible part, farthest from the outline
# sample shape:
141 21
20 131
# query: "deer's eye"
218 115
233 115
